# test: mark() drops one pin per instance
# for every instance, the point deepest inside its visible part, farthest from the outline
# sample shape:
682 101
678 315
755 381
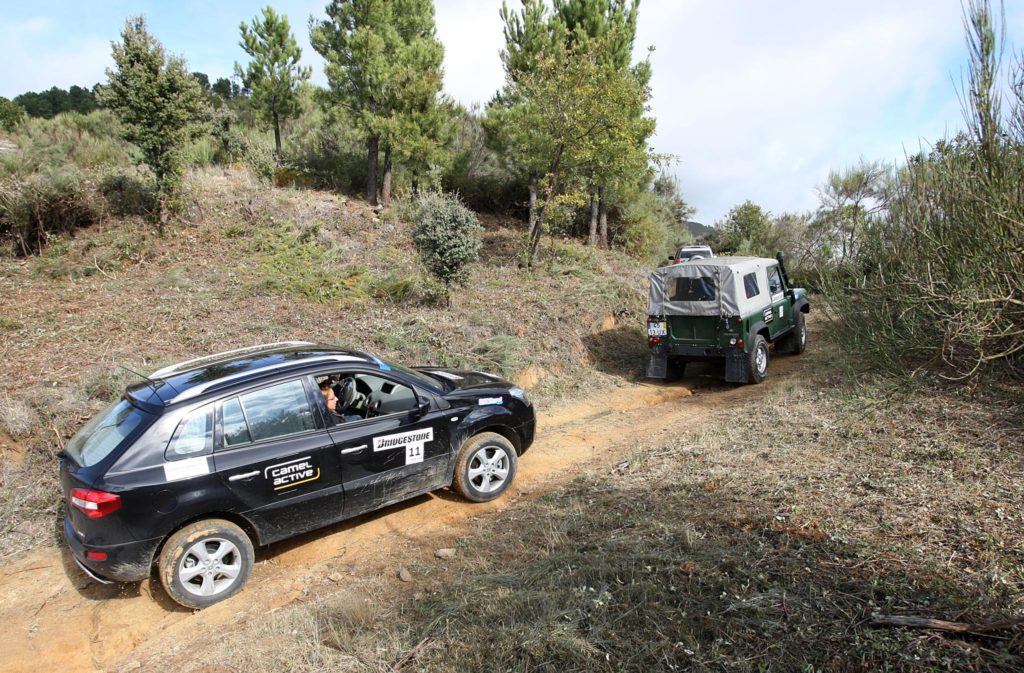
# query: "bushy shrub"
47 203
11 114
256 151
129 195
446 234
645 227
330 153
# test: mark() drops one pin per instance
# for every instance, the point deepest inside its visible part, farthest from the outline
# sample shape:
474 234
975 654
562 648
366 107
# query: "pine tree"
384 69
159 103
274 74
613 24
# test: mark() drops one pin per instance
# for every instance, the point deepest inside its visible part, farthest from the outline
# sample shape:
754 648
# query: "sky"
754 100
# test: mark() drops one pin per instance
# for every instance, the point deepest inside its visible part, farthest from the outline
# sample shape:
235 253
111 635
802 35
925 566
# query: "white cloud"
472 37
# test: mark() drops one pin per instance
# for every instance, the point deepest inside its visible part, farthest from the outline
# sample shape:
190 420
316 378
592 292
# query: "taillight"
654 341
95 555
95 503
739 344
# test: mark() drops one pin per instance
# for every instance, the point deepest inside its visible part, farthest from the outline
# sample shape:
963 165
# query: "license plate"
657 329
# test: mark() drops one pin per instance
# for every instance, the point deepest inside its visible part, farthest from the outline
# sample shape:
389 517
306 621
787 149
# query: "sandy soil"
57 619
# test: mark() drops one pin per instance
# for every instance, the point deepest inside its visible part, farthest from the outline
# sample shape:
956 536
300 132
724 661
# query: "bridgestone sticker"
413 443
177 470
485 401
768 315
291 473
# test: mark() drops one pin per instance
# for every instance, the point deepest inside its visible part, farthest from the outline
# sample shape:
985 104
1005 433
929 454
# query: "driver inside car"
340 405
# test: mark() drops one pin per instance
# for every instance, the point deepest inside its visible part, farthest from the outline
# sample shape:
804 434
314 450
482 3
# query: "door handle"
244 475
354 449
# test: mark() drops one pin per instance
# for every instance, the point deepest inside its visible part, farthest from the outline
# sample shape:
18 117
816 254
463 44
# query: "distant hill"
697 229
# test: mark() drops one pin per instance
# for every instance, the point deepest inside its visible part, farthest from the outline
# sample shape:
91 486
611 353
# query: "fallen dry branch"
941 625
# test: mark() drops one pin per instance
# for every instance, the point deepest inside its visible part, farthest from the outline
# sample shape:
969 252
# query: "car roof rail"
203 359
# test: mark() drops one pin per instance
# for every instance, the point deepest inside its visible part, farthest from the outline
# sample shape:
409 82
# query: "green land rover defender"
737 308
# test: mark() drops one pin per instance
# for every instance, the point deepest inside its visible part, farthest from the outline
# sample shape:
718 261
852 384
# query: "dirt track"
56 619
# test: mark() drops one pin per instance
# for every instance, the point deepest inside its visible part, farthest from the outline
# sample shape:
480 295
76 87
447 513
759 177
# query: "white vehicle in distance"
688 252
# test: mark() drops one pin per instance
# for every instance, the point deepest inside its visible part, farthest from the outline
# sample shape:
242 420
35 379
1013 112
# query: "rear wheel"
757 363
485 467
205 563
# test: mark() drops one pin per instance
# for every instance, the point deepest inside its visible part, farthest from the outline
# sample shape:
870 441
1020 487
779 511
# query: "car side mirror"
671 259
421 408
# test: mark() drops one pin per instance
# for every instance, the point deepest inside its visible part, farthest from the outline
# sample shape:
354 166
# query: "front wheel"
758 360
205 563
485 467
799 334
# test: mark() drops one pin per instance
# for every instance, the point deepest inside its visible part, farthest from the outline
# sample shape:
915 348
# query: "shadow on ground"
620 351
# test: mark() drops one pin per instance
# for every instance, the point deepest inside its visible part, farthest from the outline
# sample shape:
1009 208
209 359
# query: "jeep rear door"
695 330
278 461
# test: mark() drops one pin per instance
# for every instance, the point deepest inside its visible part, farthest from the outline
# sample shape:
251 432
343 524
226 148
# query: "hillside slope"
253 264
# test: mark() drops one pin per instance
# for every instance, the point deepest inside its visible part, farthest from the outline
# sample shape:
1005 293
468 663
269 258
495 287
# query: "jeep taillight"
95 503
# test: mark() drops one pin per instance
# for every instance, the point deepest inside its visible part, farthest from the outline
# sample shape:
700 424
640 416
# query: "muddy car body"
207 458
736 309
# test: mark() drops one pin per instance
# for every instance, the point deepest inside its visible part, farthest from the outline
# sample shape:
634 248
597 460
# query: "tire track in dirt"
56 619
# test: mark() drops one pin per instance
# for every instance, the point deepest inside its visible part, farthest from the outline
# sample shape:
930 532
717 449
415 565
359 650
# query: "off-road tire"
799 334
481 461
187 545
757 360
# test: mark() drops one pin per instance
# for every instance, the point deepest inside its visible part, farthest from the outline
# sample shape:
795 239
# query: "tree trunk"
277 140
385 189
372 150
592 239
602 216
533 200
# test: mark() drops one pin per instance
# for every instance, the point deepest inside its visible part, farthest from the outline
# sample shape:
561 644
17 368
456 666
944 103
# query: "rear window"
106 432
693 289
750 285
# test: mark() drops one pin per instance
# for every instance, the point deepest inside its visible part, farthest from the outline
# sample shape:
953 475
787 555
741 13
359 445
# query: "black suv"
208 457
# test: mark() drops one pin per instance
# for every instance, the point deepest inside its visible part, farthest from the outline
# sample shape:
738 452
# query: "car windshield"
419 376
106 432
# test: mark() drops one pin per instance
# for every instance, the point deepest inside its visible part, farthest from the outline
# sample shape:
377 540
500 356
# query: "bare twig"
941 625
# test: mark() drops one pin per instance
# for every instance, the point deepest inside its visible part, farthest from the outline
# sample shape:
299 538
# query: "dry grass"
762 541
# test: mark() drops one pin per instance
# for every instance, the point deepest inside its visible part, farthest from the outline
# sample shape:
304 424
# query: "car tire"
799 334
485 467
757 360
222 546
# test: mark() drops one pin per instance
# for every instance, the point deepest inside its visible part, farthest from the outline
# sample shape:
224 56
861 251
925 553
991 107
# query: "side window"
193 436
274 412
236 430
351 396
750 285
774 280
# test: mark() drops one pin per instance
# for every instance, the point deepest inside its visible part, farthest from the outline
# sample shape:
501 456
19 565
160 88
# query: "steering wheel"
346 396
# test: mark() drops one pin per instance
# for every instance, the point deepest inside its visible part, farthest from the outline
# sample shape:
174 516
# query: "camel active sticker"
412 442
291 473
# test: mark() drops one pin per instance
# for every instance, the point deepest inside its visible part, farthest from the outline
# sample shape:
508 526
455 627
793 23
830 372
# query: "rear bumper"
129 562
